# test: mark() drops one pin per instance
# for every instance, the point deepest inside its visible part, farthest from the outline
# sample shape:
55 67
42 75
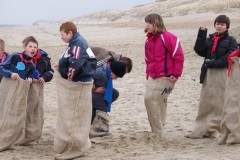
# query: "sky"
28 11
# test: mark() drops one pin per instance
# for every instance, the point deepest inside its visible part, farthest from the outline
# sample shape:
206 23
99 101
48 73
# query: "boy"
103 96
20 65
3 54
34 120
74 87
215 50
103 56
14 94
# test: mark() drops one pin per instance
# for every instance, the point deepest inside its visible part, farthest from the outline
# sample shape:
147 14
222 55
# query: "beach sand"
132 139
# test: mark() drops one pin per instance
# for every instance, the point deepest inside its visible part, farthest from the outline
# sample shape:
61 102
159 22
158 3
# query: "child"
3 54
230 126
74 88
215 50
103 96
103 56
34 120
20 65
164 59
14 94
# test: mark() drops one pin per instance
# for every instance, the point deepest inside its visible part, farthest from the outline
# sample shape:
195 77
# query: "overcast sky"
28 11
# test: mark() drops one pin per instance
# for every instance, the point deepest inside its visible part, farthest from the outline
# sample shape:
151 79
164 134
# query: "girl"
164 64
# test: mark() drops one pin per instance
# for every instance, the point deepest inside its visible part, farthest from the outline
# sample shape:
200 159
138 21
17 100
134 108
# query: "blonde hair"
157 22
2 44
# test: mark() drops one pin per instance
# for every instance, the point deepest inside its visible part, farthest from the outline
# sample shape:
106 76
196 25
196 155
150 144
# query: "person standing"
215 50
74 91
3 54
164 64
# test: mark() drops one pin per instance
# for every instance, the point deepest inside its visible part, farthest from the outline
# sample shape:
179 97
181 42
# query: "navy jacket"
11 66
75 62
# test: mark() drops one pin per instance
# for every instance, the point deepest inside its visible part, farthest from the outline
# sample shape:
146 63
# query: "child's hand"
30 80
99 90
202 28
41 80
173 79
14 76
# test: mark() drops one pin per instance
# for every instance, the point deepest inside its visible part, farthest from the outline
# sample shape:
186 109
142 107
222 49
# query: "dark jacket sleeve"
200 44
5 70
48 74
222 61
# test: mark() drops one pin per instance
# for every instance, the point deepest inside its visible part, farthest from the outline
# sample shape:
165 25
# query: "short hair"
128 62
67 27
2 44
222 19
29 39
157 22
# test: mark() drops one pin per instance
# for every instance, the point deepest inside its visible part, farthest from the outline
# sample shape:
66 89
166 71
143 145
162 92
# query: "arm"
77 60
222 61
5 68
174 48
99 77
200 44
48 74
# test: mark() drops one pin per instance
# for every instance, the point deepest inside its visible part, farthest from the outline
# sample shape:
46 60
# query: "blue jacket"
15 64
100 76
75 62
3 59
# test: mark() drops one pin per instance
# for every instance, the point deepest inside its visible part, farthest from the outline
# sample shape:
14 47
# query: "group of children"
33 66
85 88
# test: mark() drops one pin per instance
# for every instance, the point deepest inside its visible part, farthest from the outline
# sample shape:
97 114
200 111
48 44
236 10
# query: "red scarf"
215 41
37 57
4 57
233 54
23 59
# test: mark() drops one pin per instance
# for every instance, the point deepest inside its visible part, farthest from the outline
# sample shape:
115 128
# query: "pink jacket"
163 55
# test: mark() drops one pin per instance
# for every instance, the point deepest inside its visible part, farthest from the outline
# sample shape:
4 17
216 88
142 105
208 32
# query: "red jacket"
163 55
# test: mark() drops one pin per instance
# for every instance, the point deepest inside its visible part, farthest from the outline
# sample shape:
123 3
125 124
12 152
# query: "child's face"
31 49
113 76
149 27
66 37
220 27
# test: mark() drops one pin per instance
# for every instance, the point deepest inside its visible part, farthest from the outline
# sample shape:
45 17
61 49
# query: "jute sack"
100 125
74 118
34 120
157 92
13 105
230 123
207 123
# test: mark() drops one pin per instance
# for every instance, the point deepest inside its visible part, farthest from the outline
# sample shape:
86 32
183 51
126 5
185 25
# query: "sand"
132 139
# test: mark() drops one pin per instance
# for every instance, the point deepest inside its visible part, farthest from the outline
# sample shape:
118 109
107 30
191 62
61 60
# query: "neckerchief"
23 59
233 54
109 89
37 57
4 57
215 41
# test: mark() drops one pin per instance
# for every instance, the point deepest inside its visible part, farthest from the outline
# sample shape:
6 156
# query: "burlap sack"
100 125
13 105
230 123
157 92
74 118
207 123
34 120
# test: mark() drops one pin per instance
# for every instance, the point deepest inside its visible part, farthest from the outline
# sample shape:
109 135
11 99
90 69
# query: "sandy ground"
131 131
